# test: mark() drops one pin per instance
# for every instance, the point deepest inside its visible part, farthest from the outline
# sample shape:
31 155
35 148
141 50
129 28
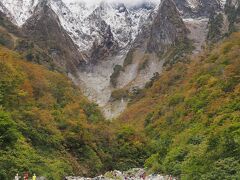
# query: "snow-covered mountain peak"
83 20
21 10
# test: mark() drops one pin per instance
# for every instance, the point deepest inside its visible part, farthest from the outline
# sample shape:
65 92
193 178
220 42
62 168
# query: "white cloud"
127 2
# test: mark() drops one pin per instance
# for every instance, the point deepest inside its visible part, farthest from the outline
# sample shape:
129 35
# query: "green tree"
8 132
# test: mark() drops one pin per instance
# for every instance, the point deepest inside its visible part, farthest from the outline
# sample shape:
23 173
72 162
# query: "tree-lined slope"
46 125
191 116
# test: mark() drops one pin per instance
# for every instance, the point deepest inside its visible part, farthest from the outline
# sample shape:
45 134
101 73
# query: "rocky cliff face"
164 30
232 10
105 47
45 30
225 22
14 38
198 8
168 28
20 10
6 12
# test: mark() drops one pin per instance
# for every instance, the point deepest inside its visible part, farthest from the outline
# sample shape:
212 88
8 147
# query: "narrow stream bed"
133 174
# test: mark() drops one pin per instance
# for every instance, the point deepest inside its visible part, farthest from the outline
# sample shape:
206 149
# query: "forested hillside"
49 128
190 116
184 123
46 125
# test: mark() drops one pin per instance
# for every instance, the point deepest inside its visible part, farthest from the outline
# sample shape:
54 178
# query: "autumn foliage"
190 117
48 126
185 123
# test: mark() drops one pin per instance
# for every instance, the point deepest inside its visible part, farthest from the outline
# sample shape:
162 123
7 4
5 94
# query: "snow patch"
20 10
193 3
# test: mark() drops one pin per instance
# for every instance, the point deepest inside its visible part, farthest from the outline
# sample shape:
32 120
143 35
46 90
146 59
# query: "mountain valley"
89 88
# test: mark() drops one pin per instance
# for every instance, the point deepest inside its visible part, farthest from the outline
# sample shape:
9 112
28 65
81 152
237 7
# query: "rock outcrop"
197 8
168 28
232 10
105 47
45 30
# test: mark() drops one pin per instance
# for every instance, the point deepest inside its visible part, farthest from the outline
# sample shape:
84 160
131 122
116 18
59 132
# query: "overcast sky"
127 2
